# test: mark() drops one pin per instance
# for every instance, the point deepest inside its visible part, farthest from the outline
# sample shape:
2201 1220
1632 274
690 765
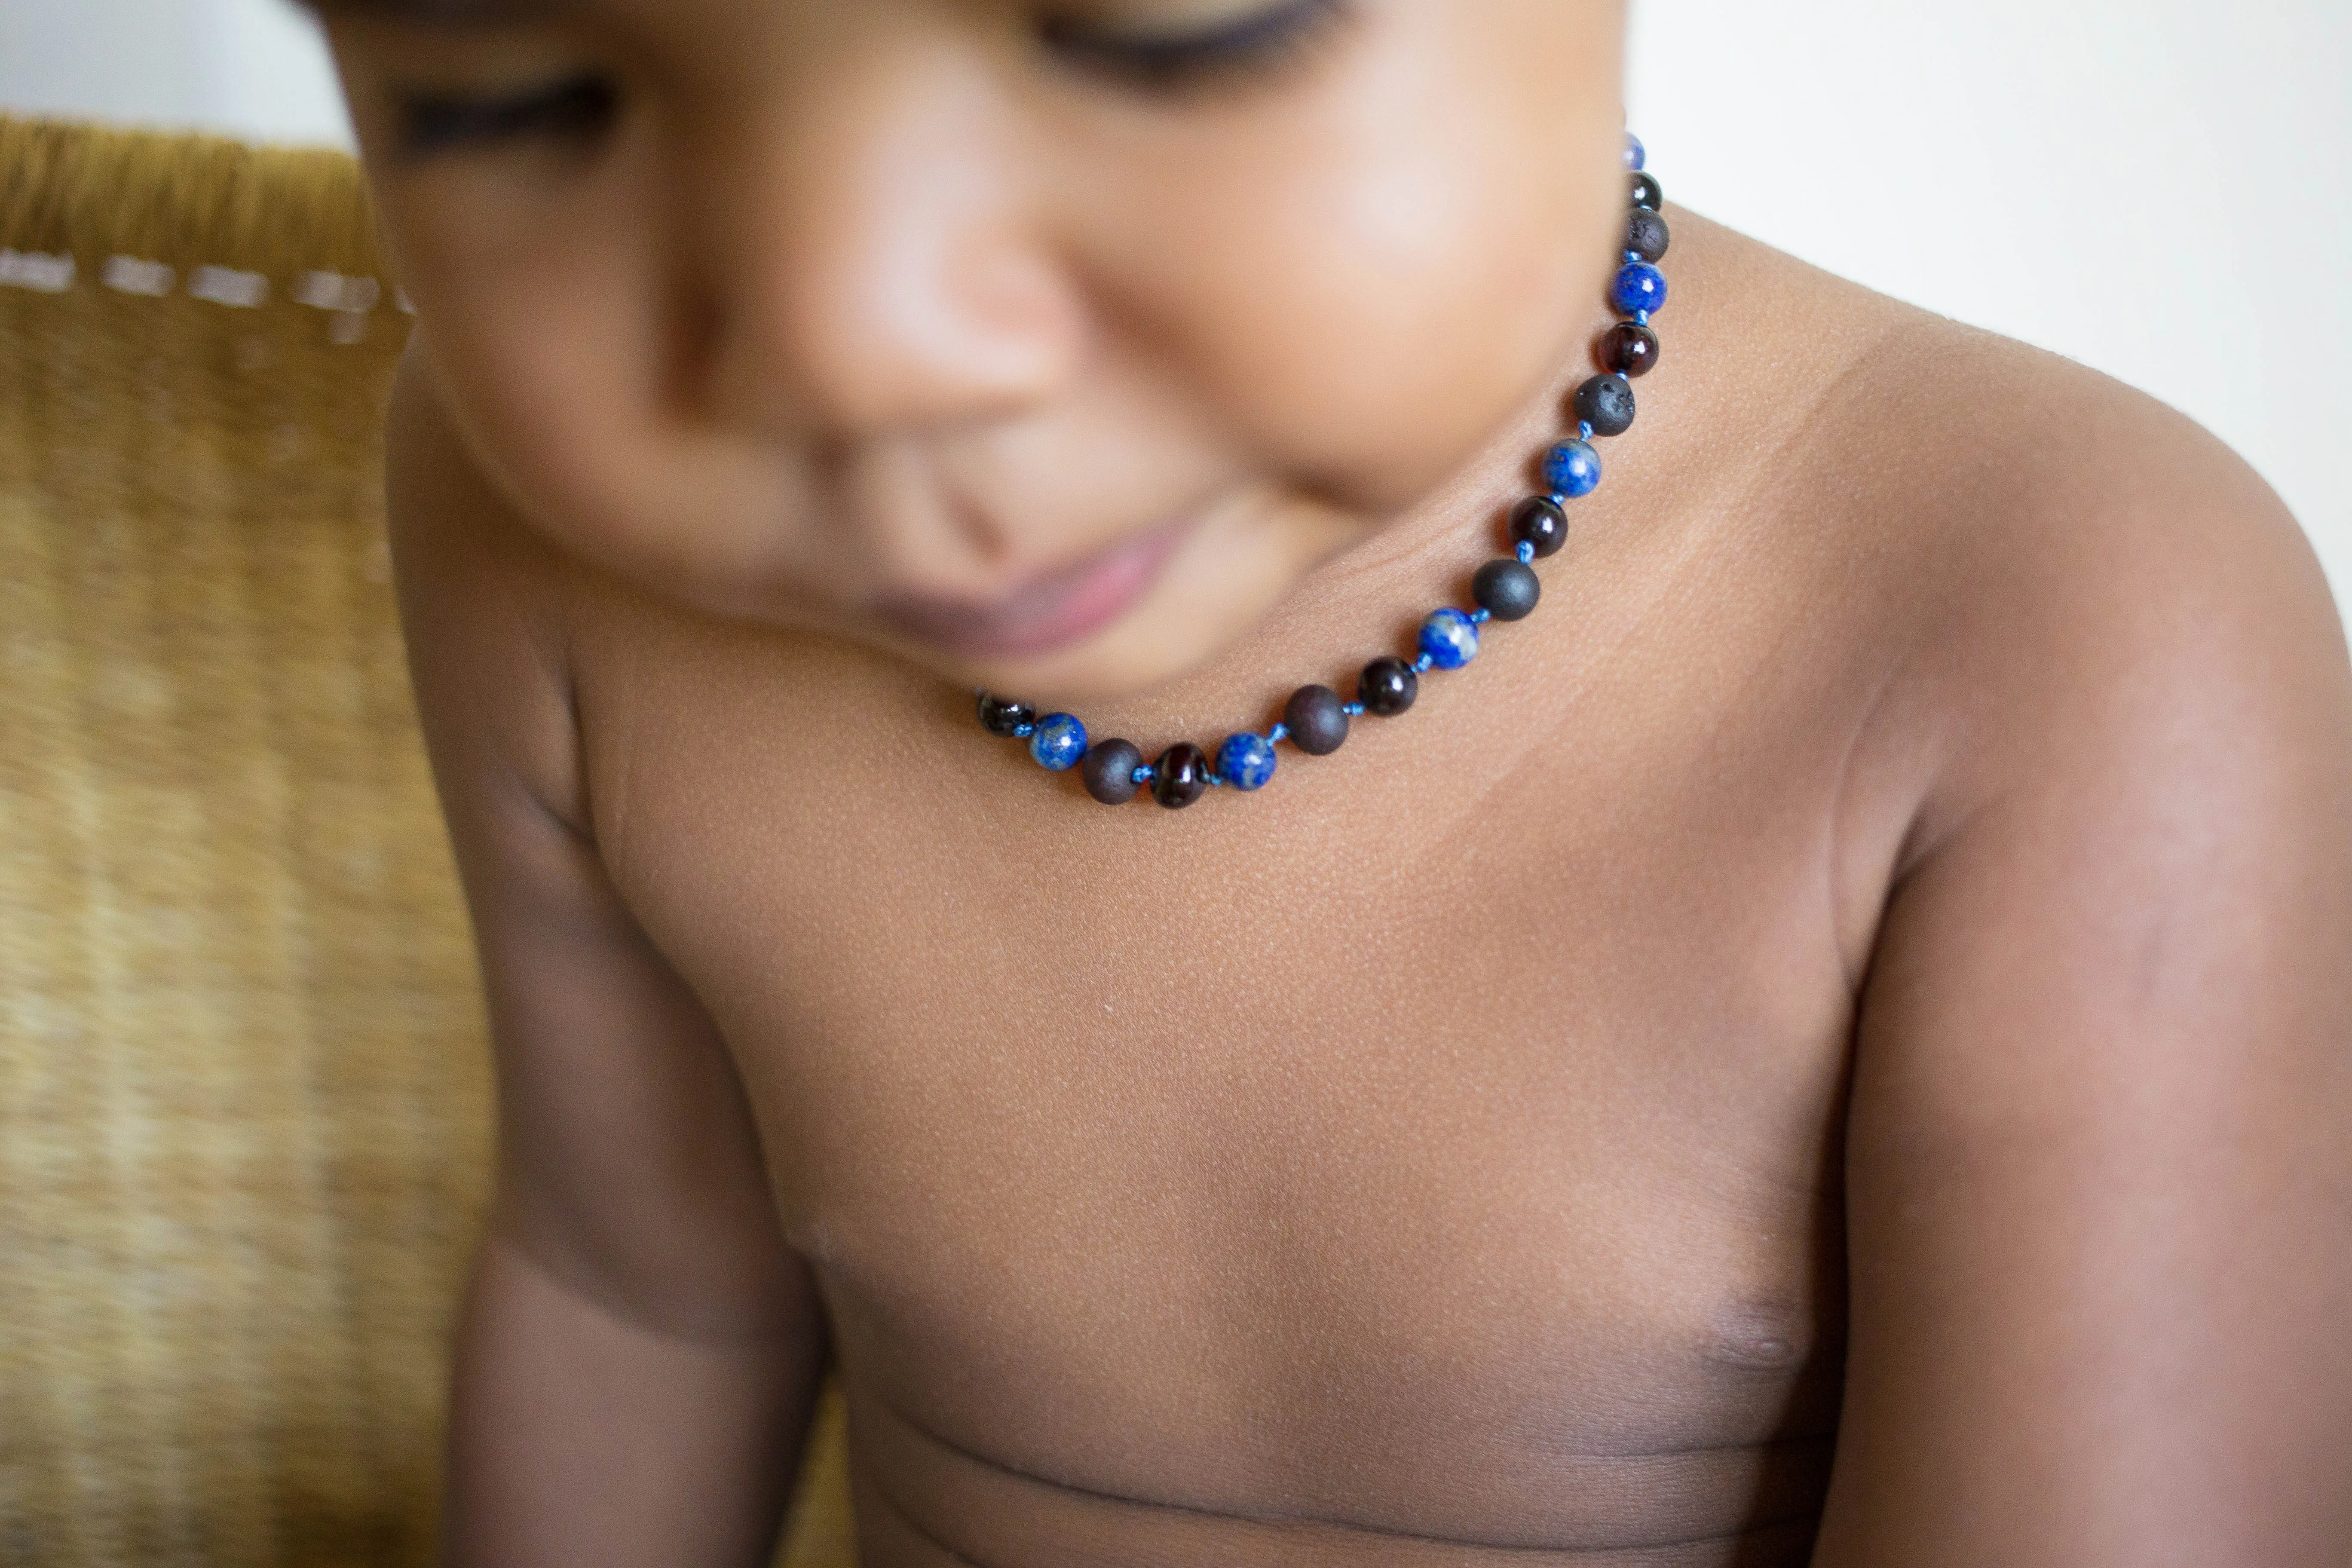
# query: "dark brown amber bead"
1180 776
1538 521
1629 349
1387 686
1004 717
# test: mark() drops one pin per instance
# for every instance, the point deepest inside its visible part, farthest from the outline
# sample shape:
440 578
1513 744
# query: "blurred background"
2161 189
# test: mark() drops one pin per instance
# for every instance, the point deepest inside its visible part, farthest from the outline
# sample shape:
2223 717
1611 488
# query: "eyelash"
1257 45
570 112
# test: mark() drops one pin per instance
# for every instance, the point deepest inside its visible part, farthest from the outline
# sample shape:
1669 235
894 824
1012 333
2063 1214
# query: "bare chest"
1492 1103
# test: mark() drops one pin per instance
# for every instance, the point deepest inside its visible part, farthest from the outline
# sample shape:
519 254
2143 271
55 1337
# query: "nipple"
1759 1336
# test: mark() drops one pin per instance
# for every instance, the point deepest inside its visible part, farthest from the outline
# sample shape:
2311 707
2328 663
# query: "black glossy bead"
1387 686
1004 717
1646 235
1606 403
1180 776
1507 590
1317 720
1629 348
1538 521
1647 194
1108 771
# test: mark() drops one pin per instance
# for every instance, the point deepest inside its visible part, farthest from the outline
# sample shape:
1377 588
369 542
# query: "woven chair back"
244 1091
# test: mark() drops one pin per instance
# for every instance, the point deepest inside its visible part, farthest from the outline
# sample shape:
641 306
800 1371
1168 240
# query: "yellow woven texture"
243 1090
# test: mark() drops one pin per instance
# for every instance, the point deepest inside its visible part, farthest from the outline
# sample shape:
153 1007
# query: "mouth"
1051 612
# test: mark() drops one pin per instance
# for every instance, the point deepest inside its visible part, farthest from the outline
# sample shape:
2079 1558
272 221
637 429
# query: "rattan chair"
242 1087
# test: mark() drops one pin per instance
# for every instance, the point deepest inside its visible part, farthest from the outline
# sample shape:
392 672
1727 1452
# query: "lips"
1044 614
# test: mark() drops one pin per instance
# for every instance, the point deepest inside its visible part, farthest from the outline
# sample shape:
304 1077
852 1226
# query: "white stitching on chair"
130 275
347 298
228 286
36 270
333 291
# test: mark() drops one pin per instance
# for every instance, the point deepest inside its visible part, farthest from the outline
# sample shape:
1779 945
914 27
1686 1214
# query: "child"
1825 1042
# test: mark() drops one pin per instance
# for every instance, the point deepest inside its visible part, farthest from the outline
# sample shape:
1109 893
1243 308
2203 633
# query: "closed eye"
572 111
1256 42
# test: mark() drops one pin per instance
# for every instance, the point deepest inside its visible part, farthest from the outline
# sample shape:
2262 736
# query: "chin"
1216 591
1120 663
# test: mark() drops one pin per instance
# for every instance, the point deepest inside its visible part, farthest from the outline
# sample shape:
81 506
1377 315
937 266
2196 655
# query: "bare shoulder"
2040 560
2059 512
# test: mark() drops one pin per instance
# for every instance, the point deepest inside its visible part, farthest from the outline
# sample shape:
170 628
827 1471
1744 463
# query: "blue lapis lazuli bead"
1637 157
1059 743
1572 469
1449 638
1246 762
1639 286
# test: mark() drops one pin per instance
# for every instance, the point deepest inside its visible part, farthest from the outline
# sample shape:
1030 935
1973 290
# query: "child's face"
1048 346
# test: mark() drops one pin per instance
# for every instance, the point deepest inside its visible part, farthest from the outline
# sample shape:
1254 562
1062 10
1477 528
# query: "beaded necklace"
1316 720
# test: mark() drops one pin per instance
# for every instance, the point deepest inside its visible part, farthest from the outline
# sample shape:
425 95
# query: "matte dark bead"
1507 590
1108 771
1646 235
1180 776
1648 194
1317 720
1004 717
1387 686
1629 348
1538 522
1606 403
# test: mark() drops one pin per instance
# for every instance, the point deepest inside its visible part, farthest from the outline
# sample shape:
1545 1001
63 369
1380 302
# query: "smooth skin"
1827 1044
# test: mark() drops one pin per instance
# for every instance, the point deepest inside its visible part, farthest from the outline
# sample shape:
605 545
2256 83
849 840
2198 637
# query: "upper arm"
628 1164
2099 1151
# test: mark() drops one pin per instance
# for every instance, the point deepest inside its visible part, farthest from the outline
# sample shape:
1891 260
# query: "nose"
884 269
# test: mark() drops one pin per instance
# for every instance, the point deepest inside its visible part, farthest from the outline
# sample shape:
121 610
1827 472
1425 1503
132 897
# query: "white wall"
2160 188
250 67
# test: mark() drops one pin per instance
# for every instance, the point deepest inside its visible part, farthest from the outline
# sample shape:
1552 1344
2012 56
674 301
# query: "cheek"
1372 295
548 343
544 368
